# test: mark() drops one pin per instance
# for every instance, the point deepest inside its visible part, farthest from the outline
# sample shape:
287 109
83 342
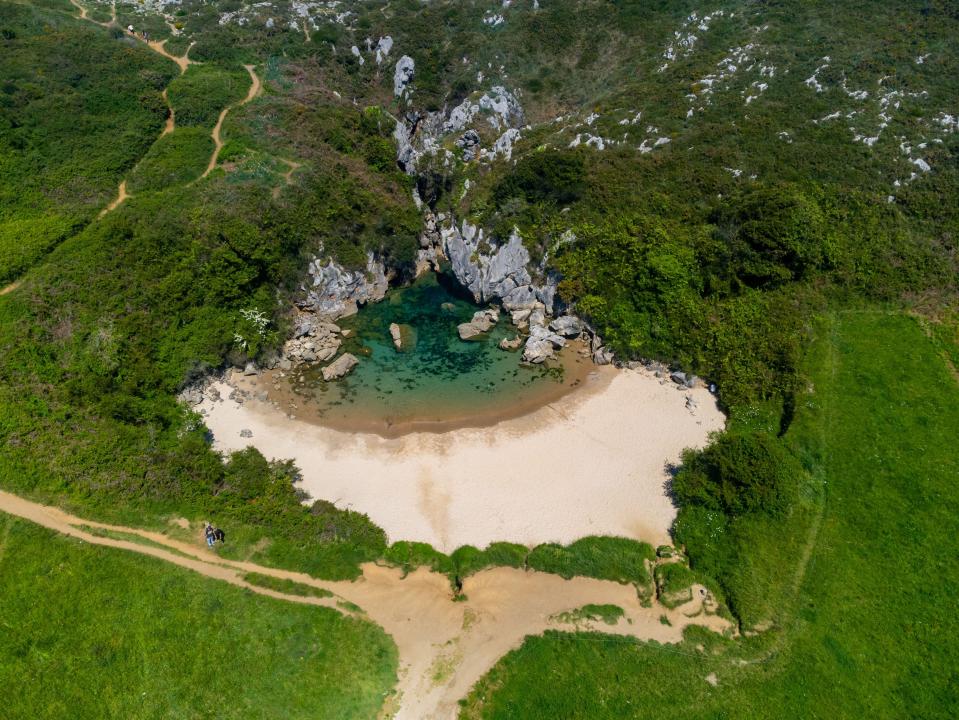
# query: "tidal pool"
437 381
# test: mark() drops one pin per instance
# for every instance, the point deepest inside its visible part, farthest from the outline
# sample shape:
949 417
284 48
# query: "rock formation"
482 322
340 367
336 292
511 344
396 335
313 340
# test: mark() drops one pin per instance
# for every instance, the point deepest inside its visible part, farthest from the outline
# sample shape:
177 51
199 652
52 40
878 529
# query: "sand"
592 463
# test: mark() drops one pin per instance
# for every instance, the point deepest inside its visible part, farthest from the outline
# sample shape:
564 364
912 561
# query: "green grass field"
871 631
92 632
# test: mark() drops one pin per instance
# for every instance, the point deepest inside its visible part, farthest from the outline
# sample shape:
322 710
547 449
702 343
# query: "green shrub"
411 555
175 159
673 582
200 94
605 558
468 560
738 474
548 176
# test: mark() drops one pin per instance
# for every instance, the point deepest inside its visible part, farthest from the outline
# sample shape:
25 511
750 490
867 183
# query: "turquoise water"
437 381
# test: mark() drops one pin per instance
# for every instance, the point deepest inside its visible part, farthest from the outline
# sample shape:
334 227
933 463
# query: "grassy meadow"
869 631
92 632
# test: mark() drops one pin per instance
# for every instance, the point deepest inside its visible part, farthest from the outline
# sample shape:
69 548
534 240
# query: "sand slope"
592 463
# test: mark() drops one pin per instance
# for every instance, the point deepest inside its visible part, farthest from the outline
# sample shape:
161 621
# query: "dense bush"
545 176
767 236
738 474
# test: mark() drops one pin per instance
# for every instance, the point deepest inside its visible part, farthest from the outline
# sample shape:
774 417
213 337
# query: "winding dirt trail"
171 118
182 62
444 646
122 196
255 88
11 287
287 176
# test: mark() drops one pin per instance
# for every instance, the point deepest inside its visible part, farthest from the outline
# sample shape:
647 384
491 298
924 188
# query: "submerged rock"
340 367
396 335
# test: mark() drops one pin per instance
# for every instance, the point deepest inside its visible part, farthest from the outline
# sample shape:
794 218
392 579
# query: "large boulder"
340 367
568 326
541 344
482 322
514 344
396 335
403 75
314 340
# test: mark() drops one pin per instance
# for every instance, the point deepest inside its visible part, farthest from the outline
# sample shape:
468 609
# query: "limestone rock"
568 326
541 344
336 292
340 367
314 340
396 335
482 322
486 275
603 356
513 344
403 75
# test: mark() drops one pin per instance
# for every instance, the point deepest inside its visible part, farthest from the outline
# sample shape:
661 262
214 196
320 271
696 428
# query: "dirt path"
11 287
171 118
444 646
255 89
122 195
182 62
287 176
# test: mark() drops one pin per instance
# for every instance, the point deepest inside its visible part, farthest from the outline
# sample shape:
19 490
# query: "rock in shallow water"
513 344
541 344
482 322
340 367
396 335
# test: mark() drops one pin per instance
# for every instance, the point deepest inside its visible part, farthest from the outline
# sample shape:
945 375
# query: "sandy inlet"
593 462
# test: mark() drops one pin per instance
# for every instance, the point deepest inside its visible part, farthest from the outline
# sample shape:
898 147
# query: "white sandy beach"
591 463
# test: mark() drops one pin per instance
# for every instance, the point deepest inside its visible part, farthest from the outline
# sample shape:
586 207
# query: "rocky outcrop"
396 335
314 340
497 105
511 344
403 76
469 143
482 322
487 275
541 345
335 292
569 326
340 367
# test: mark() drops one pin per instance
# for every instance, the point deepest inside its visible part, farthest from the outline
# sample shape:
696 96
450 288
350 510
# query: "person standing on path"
210 535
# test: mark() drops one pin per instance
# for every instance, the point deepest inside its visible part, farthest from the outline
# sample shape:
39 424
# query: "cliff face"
335 292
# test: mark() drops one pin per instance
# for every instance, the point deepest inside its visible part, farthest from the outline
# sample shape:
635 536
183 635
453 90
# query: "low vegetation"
289 587
127 636
870 555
